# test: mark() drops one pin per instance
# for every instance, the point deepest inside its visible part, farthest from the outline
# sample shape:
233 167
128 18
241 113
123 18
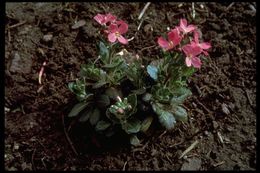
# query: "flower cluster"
116 28
191 50
121 92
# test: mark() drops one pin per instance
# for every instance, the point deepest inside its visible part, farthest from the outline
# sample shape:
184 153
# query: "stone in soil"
192 164
21 63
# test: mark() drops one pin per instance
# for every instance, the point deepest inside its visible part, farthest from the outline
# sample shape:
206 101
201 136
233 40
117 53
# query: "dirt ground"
222 110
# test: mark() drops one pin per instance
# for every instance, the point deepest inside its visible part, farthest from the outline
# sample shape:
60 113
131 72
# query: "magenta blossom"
191 51
184 27
116 30
104 19
203 46
173 37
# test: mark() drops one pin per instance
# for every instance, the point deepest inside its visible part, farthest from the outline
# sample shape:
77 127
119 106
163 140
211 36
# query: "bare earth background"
222 110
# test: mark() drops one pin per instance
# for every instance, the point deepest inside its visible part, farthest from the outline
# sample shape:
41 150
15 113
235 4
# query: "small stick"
143 11
40 89
247 95
33 154
16 25
42 159
204 107
220 138
147 48
124 166
139 26
230 5
218 164
176 144
193 10
41 72
38 44
163 134
9 36
68 138
189 149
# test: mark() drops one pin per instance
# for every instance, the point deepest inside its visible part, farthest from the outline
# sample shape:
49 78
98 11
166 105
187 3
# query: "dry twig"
68 138
219 163
16 25
124 166
143 11
33 154
38 44
189 148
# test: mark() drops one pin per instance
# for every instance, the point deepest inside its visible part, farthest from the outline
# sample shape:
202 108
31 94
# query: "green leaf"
134 140
94 117
109 132
179 95
102 101
117 61
102 125
99 84
147 97
146 124
188 71
85 115
71 86
152 71
112 117
77 109
132 99
113 93
92 73
78 88
139 91
104 52
166 118
132 126
180 113
163 95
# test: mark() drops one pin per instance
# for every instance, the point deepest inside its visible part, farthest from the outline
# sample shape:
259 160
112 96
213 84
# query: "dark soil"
222 110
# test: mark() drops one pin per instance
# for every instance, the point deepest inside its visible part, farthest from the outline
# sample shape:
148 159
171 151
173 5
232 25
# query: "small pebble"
215 124
79 24
47 37
225 109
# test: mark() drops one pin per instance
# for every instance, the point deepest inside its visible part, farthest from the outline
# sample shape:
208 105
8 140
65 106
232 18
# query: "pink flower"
191 51
203 46
104 19
184 28
173 37
116 30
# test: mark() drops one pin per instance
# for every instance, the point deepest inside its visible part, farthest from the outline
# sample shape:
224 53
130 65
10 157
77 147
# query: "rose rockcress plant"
118 92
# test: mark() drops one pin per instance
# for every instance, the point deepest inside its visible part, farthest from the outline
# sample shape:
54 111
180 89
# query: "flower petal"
174 37
196 50
205 53
112 37
183 23
190 28
113 28
205 45
100 18
110 17
123 27
187 49
195 61
196 36
122 40
163 43
188 61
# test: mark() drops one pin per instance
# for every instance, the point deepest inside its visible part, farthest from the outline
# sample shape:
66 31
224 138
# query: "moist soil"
222 109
